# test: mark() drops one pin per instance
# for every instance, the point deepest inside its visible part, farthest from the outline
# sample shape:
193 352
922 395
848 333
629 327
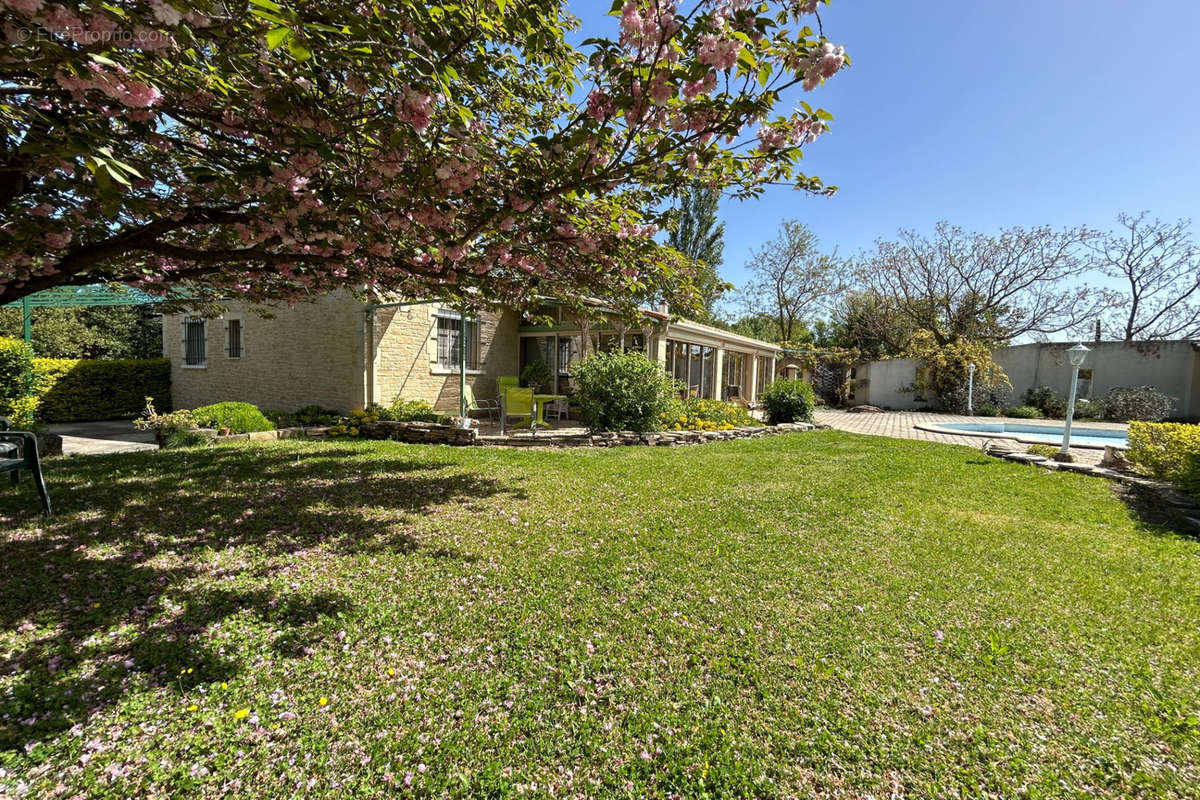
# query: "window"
766 372
734 374
233 338
694 366
568 353
194 354
452 332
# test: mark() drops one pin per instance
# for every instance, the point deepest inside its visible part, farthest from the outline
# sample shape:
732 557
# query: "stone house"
344 353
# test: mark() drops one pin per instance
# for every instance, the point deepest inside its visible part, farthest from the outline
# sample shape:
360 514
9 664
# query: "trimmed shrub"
1167 450
1144 403
1023 412
16 362
408 411
698 414
987 411
238 417
1045 400
622 392
788 401
70 390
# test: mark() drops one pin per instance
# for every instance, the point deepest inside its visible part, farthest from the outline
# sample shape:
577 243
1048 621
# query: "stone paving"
902 425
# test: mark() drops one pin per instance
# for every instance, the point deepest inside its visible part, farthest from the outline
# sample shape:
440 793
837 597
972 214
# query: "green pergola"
78 297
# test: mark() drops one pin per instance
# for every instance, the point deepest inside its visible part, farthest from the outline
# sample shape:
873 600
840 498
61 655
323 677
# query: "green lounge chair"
516 403
506 383
18 451
488 406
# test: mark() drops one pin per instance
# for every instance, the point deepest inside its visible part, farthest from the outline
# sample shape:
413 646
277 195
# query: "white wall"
880 382
1172 367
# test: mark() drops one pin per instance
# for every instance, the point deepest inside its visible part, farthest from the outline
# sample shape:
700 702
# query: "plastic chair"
506 383
516 403
18 451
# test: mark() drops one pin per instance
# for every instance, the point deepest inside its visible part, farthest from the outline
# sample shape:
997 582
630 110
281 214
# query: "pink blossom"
599 105
661 89
165 13
718 51
704 86
25 7
58 241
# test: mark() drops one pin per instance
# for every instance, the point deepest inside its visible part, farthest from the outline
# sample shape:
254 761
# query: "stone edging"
429 433
1171 498
432 433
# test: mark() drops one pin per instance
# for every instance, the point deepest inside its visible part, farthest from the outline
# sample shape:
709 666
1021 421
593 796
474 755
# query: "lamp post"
1076 355
970 388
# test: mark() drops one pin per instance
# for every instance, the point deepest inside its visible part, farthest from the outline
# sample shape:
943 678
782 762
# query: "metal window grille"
451 331
193 342
234 337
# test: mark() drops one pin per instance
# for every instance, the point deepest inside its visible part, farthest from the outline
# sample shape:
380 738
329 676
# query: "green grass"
807 615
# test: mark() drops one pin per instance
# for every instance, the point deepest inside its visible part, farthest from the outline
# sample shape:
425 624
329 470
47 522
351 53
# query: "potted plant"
536 375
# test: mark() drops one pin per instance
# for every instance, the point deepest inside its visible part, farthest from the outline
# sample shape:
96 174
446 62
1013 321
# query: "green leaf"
277 36
299 51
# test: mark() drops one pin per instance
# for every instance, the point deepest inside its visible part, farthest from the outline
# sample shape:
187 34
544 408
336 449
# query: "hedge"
1167 450
72 390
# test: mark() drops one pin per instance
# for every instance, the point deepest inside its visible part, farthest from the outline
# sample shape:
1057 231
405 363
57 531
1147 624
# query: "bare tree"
990 288
1159 265
791 279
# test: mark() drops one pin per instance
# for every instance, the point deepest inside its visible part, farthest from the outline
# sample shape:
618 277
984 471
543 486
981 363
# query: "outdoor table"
540 400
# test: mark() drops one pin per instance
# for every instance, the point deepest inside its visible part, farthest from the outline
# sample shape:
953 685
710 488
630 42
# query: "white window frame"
435 366
203 339
240 320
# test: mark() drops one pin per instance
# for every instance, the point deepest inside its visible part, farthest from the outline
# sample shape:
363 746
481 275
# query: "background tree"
464 152
98 332
959 285
701 239
871 324
792 280
1158 265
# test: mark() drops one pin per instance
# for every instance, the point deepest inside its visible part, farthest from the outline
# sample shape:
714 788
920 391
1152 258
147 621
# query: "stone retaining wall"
429 433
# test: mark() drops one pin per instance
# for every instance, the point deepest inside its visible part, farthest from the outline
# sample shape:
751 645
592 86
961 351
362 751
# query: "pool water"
1080 435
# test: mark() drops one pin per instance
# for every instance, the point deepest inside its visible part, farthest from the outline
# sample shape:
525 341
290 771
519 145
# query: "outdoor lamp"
970 388
1075 355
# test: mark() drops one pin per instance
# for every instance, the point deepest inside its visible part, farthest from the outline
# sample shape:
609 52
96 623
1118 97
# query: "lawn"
806 615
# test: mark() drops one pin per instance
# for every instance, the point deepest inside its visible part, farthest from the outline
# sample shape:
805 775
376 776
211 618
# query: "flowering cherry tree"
275 151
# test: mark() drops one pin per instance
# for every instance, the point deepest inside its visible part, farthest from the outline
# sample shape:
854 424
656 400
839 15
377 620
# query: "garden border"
433 433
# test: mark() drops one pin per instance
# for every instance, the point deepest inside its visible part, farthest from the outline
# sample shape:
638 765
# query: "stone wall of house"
406 356
311 353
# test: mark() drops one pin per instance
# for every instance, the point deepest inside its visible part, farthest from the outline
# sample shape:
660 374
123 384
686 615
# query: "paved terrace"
902 425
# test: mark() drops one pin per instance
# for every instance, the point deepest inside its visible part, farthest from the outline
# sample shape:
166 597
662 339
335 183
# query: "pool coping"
1014 436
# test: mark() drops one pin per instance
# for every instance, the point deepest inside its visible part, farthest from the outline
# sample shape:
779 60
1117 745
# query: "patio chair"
505 383
489 406
516 403
18 451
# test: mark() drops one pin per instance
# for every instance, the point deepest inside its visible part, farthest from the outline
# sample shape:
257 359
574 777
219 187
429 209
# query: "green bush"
1023 412
788 401
1088 410
238 417
16 362
1144 403
408 411
1168 451
1045 400
987 411
71 390
622 392
698 414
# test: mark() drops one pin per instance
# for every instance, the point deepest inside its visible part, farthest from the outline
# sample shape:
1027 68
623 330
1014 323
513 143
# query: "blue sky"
991 114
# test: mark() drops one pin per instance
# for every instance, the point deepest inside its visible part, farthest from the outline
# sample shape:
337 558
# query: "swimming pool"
1081 435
